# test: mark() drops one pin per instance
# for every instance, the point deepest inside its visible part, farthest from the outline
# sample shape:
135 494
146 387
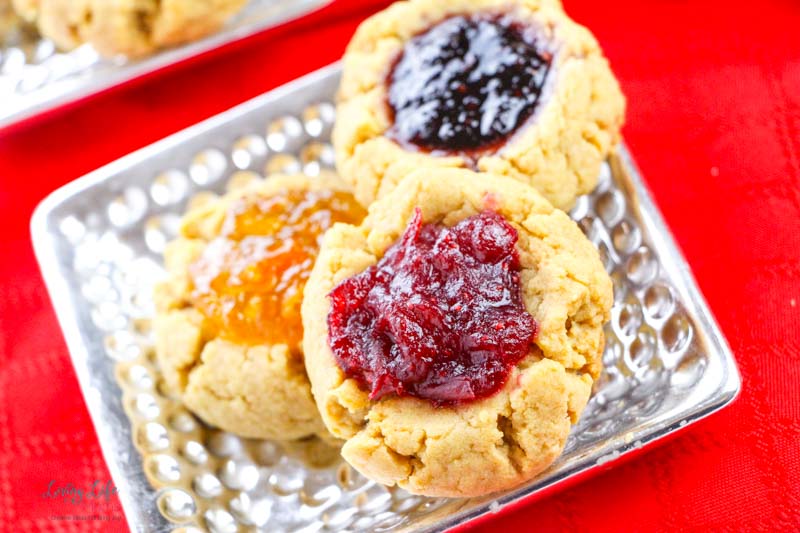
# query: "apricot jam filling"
249 281
439 317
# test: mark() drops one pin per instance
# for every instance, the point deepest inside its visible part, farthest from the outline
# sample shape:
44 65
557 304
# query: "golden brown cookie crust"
258 391
560 149
490 444
133 28
9 20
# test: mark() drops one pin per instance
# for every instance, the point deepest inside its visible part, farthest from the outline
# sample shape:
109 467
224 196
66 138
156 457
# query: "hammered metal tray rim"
56 283
87 181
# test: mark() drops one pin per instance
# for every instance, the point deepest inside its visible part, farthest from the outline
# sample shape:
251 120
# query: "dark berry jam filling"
466 84
439 317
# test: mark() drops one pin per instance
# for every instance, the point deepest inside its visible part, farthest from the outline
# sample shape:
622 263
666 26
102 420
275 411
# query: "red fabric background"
714 122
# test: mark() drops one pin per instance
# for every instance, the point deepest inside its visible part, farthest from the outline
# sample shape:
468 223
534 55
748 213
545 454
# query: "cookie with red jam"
228 328
511 87
452 339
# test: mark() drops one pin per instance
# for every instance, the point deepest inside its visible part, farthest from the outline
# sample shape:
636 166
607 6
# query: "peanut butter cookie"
228 327
511 87
453 337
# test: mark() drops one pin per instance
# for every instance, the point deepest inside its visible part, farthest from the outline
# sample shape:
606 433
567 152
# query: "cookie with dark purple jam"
515 88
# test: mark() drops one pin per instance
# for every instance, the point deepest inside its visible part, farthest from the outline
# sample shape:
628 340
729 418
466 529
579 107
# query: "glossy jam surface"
466 84
249 281
439 317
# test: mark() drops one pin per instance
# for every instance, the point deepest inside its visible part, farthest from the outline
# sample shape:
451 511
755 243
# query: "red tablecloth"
714 122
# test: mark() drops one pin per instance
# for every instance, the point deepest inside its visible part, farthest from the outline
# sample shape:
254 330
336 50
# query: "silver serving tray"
98 241
35 77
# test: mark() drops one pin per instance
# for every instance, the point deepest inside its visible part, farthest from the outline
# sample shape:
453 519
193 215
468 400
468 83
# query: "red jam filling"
439 317
466 84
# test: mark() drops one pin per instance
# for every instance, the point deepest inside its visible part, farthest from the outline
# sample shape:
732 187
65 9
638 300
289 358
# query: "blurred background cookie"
228 327
133 28
514 88
9 20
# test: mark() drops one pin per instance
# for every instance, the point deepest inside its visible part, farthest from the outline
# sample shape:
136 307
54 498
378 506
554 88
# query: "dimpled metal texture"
99 241
35 76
